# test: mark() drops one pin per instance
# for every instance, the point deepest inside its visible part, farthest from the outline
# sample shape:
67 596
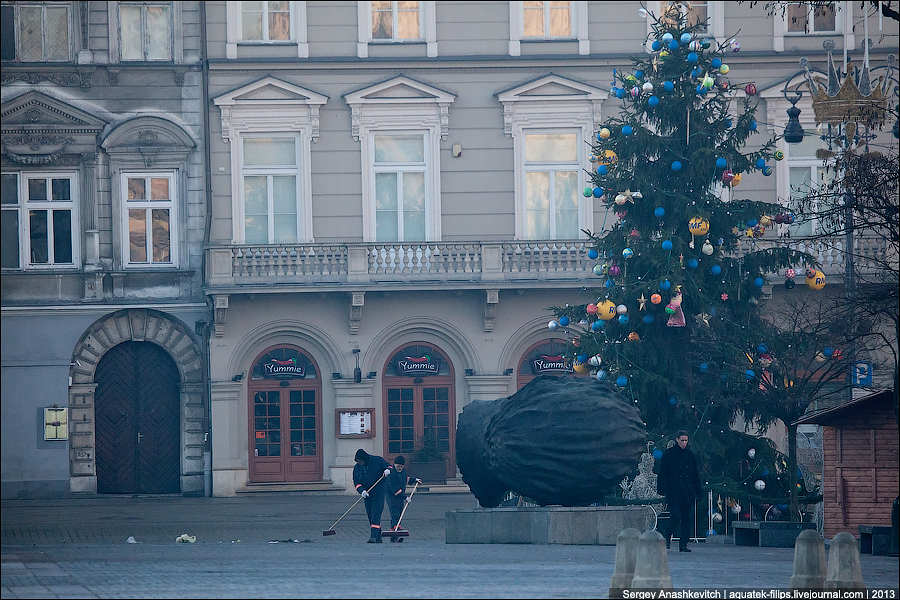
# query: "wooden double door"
420 410
137 421
285 431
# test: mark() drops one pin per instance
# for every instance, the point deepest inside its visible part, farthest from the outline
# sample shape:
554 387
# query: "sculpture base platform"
543 525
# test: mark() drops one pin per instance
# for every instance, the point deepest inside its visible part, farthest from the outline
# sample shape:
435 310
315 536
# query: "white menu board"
356 422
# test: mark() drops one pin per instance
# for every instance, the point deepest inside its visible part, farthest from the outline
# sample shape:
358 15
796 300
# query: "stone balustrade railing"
540 262
871 253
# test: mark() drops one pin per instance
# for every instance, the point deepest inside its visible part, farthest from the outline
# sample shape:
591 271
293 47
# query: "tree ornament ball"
828 351
627 253
692 57
656 45
715 63
707 248
750 89
598 270
595 360
751 453
602 169
723 84
621 381
665 284
767 170
598 192
620 92
604 134
647 87
588 192
817 281
716 270
753 125
749 374
659 212
606 310
704 367
727 176
759 484
623 319
695 45
668 86
698 226
717 517
708 82
692 263
552 325
621 309
721 163
647 319
634 337
759 281
667 37
673 45
724 69
564 321
760 163
580 368
655 299
779 155
635 92
591 309
592 253
765 221
686 37
597 325
735 46
653 101
667 245
676 165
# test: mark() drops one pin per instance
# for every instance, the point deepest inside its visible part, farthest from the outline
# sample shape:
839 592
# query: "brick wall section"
860 472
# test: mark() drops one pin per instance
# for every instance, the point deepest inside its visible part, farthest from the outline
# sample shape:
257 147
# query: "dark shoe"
393 540
668 544
377 540
685 549
399 540
372 541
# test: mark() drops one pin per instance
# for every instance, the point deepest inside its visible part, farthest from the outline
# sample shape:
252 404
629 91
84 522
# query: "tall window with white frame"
270 176
396 21
696 13
145 31
551 171
149 216
400 192
36 31
266 21
806 172
811 17
39 214
548 19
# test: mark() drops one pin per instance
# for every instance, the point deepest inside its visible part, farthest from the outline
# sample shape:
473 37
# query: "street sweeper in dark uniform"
397 482
371 470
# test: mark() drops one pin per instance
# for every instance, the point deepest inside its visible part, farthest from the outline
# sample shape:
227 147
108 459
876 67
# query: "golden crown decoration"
856 100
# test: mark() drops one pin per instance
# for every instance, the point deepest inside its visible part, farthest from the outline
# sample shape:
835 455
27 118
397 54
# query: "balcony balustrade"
537 263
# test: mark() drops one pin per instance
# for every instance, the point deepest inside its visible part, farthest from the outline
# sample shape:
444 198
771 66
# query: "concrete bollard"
844 571
809 562
626 554
651 566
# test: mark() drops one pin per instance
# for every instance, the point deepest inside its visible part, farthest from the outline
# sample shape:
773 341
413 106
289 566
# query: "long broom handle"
406 505
355 503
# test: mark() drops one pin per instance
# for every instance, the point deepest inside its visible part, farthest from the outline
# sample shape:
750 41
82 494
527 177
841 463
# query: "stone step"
312 487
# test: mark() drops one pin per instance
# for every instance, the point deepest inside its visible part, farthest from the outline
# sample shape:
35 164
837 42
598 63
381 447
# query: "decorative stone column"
487 387
230 454
83 471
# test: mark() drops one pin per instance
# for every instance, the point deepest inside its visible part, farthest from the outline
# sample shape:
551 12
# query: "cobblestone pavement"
76 548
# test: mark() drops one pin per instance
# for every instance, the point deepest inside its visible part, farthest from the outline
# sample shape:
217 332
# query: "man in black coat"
368 471
397 482
679 482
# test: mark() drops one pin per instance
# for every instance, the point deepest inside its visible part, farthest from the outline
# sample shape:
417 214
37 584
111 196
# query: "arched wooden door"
285 407
137 420
419 403
546 357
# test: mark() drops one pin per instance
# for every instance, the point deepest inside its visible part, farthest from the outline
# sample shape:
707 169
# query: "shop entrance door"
137 421
418 415
285 442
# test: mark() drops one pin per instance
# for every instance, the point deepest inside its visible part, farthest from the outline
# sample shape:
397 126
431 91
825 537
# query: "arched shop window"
547 357
284 363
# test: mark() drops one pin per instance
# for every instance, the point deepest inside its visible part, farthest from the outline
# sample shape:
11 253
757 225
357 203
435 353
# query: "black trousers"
374 507
396 504
681 509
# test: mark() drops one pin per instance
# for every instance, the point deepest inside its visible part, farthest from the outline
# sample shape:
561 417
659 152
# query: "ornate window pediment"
152 138
403 95
550 95
38 129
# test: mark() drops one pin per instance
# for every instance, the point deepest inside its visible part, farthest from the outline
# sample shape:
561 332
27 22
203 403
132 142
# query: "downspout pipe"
204 63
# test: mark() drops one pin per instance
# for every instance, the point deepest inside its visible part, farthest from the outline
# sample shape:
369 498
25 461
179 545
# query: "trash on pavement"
130 540
289 541
185 538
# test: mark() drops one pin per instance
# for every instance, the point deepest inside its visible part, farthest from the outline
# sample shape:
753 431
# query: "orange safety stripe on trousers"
376 526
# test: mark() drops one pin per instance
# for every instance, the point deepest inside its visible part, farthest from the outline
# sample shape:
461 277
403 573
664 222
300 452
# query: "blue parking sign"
862 374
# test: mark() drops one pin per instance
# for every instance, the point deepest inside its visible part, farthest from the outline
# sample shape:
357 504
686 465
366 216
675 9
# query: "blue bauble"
653 101
598 270
758 282
602 169
704 367
673 400
695 72
627 253
581 358
639 74
657 454
620 92
623 319
609 283
656 45
621 381
828 351
749 373
598 191
592 253
760 163
667 245
599 138
693 263
721 163
752 124
767 170
702 90
728 123
647 319
665 284
627 130
601 375
715 63
564 321
685 38
658 212
676 165
692 57
715 270
668 86
762 348
752 223
598 325
667 37
673 45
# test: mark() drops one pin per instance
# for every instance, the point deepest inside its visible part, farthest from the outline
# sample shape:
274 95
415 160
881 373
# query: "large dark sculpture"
558 440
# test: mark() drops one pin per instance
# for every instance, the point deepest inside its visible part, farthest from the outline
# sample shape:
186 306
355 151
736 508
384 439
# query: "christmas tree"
680 273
